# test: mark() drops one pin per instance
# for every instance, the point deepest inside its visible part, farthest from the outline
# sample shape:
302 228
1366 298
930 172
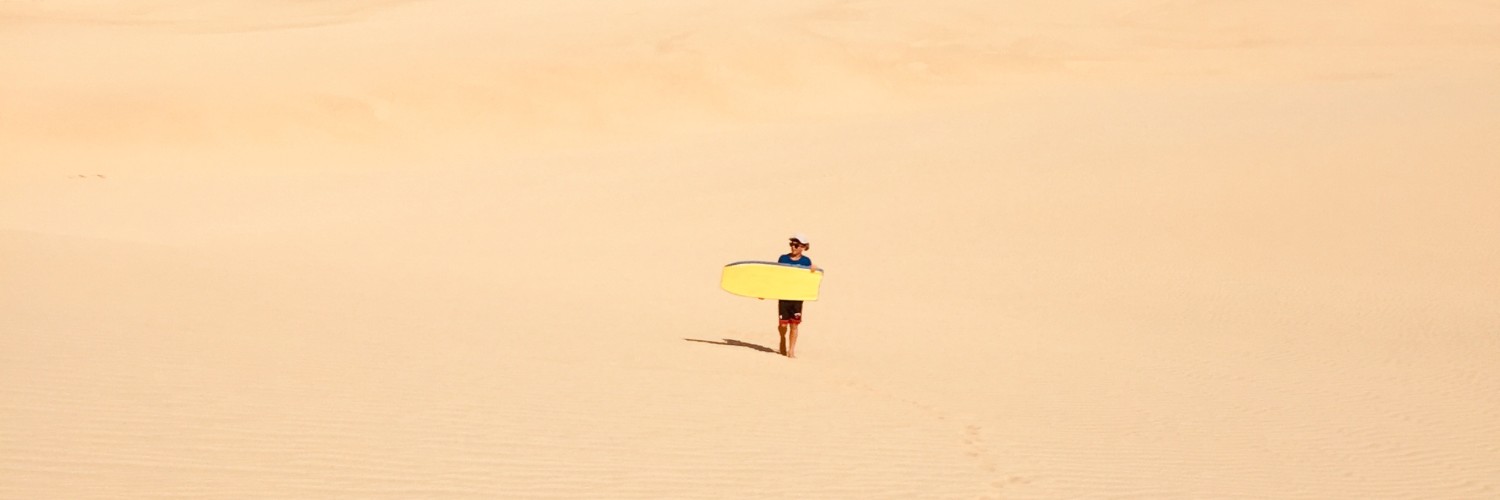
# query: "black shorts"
789 311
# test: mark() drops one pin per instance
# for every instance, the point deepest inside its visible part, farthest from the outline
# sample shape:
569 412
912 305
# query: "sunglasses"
795 245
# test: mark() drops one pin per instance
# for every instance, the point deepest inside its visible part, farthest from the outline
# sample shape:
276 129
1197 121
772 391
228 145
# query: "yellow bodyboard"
769 280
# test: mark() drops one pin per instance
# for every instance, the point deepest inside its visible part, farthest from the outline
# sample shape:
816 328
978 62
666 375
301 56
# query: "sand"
469 249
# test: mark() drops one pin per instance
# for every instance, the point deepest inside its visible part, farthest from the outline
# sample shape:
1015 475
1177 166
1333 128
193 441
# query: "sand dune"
463 249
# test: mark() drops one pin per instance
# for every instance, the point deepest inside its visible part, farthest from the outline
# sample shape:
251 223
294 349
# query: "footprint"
972 435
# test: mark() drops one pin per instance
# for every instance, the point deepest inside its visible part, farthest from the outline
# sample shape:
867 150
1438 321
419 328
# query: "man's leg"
781 329
791 344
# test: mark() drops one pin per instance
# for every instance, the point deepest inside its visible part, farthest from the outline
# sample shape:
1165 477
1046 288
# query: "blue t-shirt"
787 259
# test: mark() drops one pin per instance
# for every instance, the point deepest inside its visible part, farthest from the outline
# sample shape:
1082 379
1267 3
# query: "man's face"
797 247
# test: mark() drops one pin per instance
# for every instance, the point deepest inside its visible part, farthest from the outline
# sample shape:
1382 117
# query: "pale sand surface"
469 249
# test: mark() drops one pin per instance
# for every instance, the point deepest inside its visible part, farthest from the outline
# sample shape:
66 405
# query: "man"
789 312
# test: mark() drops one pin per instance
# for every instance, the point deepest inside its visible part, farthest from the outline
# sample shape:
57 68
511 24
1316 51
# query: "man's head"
799 243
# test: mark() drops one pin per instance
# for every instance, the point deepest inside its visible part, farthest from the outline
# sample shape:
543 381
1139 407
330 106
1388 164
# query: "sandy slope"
462 249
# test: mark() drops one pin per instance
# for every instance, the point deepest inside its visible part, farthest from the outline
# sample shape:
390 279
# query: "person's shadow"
736 343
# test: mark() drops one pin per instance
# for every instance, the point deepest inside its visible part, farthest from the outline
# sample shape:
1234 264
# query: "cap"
799 238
